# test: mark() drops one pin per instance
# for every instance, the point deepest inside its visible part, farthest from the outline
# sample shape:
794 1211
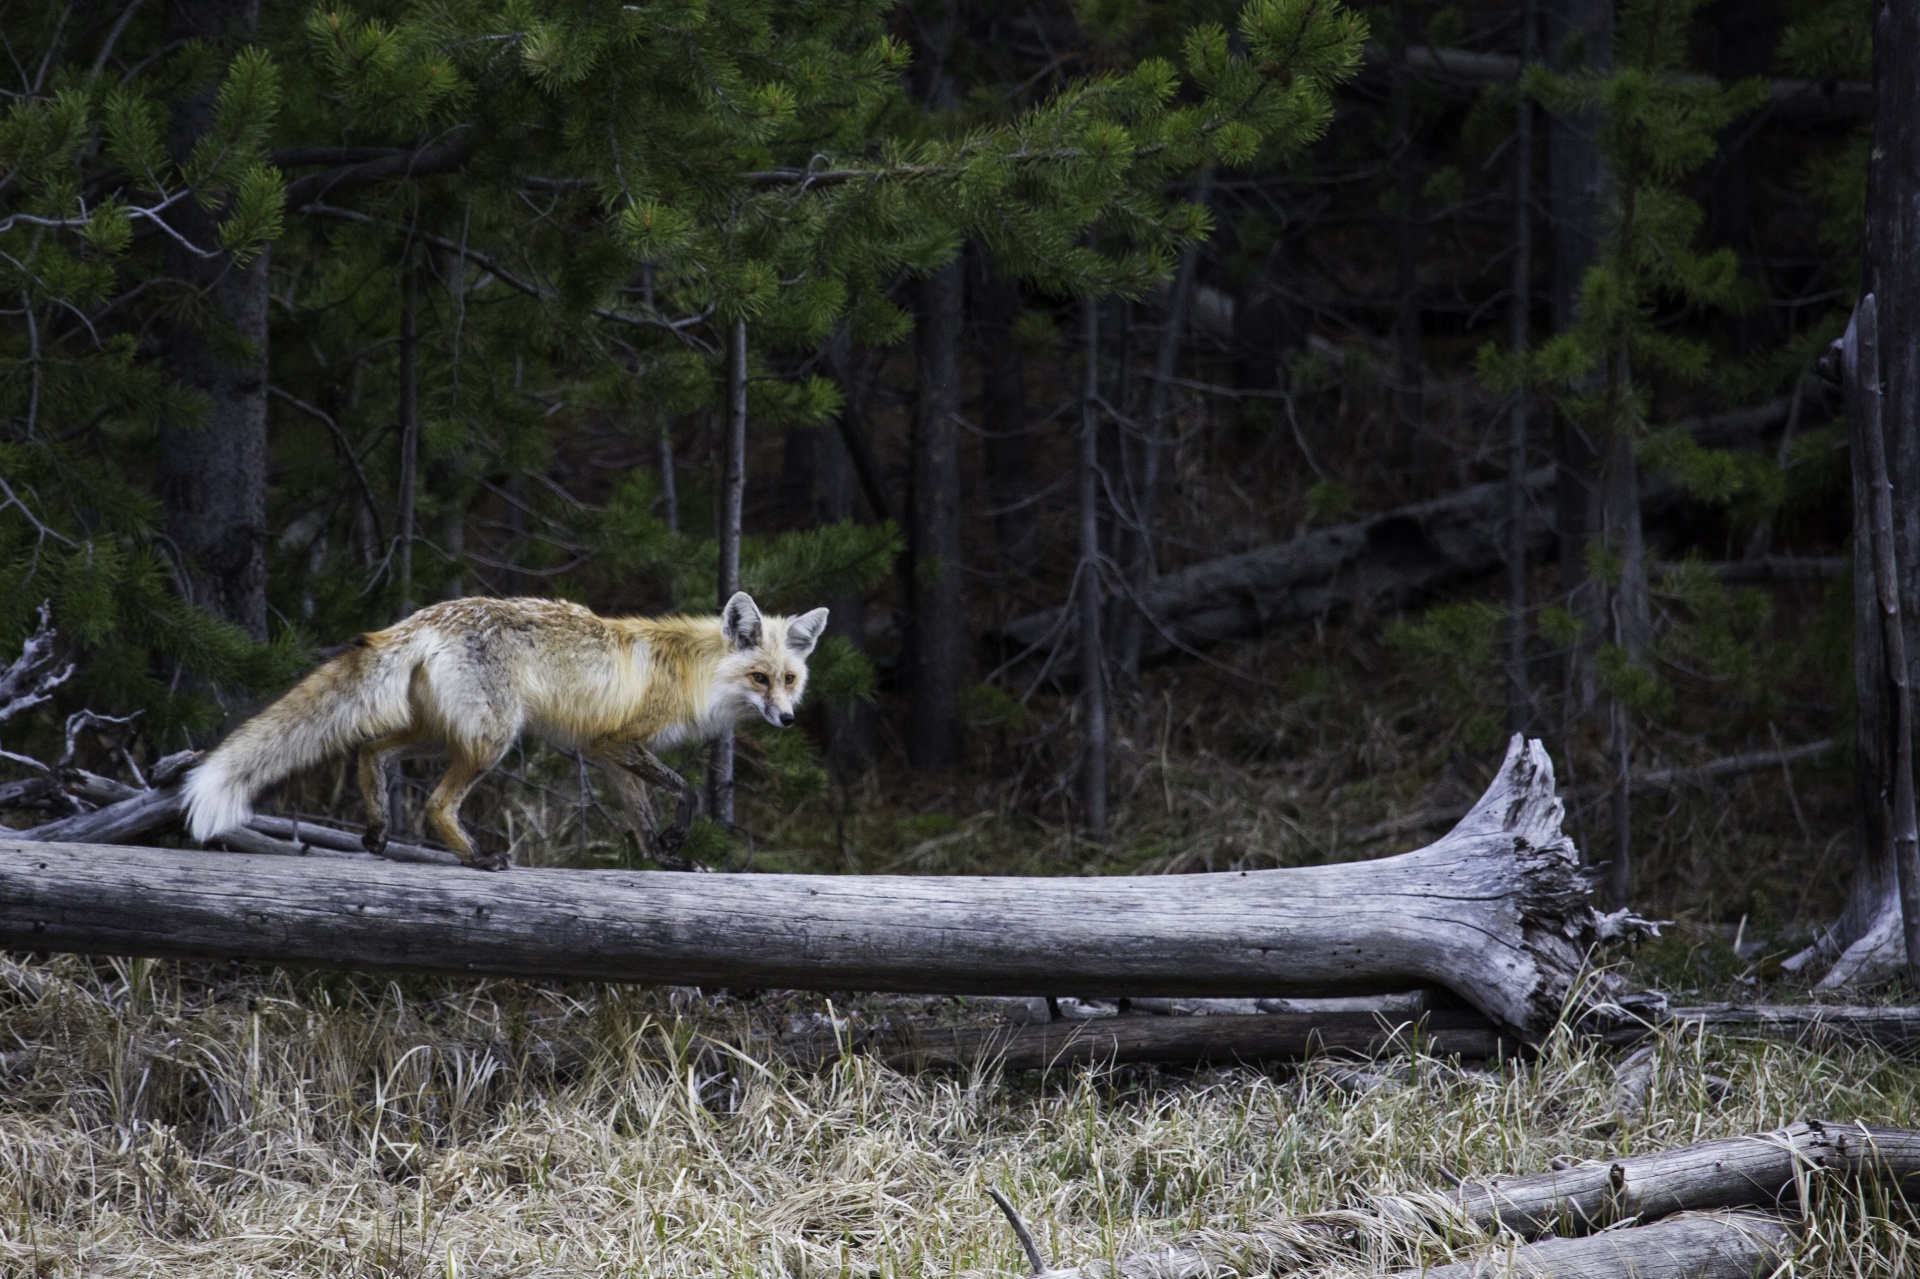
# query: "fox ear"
740 621
803 632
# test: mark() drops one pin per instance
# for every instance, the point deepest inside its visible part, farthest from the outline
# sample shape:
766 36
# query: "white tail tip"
216 801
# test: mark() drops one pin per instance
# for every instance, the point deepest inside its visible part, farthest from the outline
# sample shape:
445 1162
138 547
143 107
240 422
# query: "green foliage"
839 674
987 705
1453 647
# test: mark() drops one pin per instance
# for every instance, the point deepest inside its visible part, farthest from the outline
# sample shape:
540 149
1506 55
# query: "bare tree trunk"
409 431
212 475
936 623
996 302
1870 931
1579 33
1628 611
1897 694
850 729
1139 562
1519 693
733 492
669 478
1093 675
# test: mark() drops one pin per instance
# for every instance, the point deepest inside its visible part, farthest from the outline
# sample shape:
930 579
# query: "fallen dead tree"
1498 911
1387 561
1708 1245
129 813
1308 1028
1763 1171
1188 1040
1694 1209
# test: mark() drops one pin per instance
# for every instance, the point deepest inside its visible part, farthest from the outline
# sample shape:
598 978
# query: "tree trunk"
212 474
669 478
1519 692
733 493
1863 364
409 431
1409 391
1003 418
1579 33
1628 612
936 623
1869 933
836 499
1087 585
1138 560
1497 911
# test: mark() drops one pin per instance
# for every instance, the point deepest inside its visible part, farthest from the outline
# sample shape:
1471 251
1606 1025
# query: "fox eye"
789 679
760 679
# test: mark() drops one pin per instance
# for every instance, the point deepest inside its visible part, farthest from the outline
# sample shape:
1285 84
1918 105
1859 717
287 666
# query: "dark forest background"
1214 429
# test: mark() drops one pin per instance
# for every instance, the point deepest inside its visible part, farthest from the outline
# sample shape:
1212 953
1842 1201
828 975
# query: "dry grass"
209 1120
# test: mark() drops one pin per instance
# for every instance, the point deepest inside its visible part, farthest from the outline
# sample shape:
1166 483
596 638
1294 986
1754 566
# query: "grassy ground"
176 1119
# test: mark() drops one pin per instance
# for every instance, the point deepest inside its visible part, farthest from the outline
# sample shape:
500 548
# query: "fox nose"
786 718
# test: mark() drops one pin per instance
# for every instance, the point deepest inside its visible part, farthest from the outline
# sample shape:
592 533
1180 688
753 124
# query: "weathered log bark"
1714 1245
1497 911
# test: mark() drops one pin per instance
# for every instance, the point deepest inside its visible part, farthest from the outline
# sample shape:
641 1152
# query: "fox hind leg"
468 762
375 759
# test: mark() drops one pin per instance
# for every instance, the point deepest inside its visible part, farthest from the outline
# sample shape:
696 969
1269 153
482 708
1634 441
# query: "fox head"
765 668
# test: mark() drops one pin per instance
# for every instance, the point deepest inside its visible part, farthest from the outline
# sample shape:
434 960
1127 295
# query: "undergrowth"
186 1119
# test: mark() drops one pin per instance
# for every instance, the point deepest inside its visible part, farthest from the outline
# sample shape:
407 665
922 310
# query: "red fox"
471 674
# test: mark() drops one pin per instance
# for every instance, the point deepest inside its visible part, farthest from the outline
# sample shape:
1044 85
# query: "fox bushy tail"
349 701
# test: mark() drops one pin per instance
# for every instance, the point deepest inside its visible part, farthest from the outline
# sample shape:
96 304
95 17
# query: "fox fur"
471 675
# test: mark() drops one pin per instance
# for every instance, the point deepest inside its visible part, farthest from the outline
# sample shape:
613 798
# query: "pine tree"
1660 126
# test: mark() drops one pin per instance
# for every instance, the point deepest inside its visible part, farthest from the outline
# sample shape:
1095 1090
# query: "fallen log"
128 813
1310 1028
1387 561
1708 1245
1761 1171
1707 1182
1254 1037
1498 911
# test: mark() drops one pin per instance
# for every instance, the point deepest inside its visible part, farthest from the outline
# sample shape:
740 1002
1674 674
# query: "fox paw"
496 860
374 839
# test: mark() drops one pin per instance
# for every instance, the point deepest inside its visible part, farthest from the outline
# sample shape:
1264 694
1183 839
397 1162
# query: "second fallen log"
1497 911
